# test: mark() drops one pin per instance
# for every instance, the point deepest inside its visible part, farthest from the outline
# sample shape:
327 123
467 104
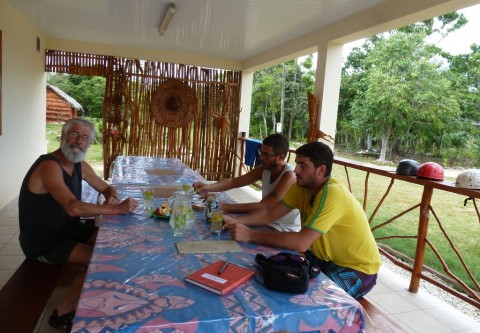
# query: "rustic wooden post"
242 156
422 238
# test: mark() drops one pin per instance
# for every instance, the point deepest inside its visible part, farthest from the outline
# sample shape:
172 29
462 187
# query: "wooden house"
60 106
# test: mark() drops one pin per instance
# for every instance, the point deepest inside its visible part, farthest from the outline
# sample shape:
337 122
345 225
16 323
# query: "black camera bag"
286 272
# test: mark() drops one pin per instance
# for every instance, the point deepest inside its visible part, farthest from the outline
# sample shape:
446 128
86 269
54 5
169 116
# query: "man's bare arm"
296 241
227 184
50 178
259 217
283 185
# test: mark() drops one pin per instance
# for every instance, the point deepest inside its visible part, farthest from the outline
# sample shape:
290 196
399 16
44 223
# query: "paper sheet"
162 172
208 246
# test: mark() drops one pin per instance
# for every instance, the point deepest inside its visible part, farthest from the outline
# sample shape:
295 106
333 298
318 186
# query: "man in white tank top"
276 175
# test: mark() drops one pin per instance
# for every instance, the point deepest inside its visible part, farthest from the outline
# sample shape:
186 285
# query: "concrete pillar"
327 85
245 101
244 119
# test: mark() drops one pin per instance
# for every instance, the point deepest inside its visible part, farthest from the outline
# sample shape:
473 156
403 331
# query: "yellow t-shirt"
346 236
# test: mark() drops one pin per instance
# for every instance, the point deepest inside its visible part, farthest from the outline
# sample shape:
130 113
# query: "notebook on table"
220 281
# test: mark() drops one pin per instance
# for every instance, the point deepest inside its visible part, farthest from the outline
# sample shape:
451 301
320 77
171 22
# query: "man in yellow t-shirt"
335 232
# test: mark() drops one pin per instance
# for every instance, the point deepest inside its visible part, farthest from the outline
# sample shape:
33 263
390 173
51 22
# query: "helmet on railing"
430 170
407 167
469 179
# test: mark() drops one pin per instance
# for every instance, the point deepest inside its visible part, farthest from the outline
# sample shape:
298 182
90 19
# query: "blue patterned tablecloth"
136 283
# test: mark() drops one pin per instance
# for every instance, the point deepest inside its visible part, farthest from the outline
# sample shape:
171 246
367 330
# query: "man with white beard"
50 207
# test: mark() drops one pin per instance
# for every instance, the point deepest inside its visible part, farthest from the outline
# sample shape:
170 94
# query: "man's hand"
240 232
228 221
128 205
111 200
201 188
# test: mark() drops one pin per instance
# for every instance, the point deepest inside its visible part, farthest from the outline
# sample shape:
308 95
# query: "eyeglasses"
84 138
264 154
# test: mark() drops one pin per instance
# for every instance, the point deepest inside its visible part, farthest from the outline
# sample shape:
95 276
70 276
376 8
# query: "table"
135 283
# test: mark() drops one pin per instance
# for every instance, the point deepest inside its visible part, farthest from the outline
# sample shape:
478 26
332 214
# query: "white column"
246 108
245 101
327 85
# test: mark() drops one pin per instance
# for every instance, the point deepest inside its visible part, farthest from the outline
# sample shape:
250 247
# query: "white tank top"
290 221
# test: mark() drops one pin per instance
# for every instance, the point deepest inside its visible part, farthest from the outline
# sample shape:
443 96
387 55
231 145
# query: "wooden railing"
466 289
449 282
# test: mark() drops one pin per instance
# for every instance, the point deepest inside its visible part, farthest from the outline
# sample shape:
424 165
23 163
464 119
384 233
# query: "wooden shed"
60 106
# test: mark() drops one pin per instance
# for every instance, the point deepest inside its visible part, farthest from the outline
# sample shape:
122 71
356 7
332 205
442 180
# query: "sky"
459 41
455 43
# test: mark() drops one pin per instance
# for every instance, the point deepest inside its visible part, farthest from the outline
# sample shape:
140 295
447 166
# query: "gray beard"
71 155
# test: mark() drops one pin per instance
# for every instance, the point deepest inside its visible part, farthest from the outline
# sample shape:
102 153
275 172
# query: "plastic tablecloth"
136 283
134 170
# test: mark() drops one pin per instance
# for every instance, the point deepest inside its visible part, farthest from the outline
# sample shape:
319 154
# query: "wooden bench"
377 321
25 295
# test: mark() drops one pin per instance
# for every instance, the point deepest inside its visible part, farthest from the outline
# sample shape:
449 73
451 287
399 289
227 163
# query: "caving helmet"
469 179
431 170
407 167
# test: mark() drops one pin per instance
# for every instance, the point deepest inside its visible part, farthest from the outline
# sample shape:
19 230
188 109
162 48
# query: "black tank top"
43 222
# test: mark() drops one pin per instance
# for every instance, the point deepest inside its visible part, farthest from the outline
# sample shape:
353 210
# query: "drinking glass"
148 198
216 221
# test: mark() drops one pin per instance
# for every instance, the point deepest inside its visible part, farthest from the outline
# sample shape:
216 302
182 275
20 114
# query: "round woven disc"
173 104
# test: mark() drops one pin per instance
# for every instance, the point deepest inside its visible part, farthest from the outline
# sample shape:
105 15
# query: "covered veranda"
23 58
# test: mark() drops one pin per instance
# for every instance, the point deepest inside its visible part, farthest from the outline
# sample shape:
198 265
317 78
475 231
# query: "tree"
404 86
408 136
268 101
87 90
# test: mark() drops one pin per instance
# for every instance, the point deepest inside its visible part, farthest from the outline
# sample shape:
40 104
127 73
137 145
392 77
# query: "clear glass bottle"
212 203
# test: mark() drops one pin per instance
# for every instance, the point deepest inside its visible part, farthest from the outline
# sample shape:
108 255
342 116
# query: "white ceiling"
231 29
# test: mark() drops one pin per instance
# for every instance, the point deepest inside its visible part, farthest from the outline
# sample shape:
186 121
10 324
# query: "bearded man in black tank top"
50 207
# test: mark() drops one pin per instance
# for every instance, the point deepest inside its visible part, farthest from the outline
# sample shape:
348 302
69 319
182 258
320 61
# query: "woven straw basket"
173 104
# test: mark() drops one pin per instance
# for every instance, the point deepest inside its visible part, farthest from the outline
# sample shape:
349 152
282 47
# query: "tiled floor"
420 312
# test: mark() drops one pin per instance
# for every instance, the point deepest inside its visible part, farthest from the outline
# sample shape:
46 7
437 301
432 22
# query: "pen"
223 267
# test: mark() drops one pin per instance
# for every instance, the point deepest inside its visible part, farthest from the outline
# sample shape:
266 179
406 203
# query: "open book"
211 279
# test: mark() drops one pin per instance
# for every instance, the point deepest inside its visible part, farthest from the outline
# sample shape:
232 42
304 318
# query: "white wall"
23 102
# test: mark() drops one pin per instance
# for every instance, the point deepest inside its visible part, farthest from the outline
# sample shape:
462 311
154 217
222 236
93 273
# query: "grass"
459 221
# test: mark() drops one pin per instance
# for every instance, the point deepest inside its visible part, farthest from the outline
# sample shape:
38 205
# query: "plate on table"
163 217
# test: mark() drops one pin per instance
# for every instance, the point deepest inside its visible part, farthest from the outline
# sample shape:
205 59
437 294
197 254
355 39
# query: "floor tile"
380 288
420 322
393 303
9 229
422 299
5 238
11 213
453 318
10 262
399 323
8 221
11 249
470 330
5 274
391 281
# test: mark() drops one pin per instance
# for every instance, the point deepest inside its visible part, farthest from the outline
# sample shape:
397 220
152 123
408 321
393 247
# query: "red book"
210 279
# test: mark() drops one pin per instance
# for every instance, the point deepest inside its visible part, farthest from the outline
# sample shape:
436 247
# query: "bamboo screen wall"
210 97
